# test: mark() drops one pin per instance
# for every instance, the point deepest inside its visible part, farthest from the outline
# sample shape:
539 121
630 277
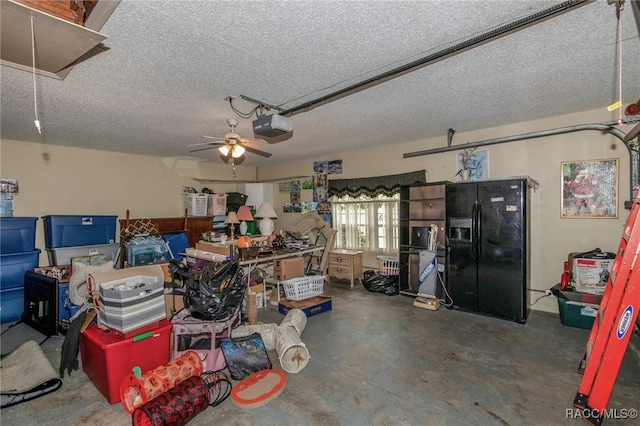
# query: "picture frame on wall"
477 163
590 189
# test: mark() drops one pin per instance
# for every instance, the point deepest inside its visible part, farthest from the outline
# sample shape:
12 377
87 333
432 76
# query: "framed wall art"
475 160
590 189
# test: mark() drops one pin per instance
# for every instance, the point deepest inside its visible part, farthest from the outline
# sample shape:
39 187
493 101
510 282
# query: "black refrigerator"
487 253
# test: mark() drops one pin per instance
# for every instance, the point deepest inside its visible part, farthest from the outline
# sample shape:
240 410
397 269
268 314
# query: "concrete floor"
377 360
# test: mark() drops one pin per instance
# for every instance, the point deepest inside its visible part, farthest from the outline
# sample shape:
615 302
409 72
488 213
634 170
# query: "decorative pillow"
78 290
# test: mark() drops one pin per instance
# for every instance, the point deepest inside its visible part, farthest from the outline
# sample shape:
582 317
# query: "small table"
345 264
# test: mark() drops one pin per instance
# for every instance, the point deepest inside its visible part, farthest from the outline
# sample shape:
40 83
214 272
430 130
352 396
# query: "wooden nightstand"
345 265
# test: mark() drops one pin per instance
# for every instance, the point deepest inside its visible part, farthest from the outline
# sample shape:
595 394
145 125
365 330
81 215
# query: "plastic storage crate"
78 230
62 255
109 357
303 287
577 314
217 205
17 234
196 204
12 304
388 265
13 266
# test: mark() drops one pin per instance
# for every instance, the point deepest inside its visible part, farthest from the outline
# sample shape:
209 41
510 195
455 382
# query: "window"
366 223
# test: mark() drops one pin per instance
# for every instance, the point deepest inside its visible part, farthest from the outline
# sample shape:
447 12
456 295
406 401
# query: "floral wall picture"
590 189
475 160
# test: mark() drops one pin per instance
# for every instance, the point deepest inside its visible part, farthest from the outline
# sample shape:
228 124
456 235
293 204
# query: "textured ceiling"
162 84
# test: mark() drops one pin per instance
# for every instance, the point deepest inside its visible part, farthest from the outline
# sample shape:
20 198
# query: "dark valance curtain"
372 186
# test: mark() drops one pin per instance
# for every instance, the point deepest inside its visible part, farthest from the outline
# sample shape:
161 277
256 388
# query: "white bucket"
295 318
266 331
293 354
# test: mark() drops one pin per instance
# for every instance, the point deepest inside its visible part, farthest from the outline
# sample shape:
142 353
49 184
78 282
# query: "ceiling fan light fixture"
237 151
224 150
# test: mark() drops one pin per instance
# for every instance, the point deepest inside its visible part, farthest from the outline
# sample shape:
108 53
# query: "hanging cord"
620 9
219 386
33 64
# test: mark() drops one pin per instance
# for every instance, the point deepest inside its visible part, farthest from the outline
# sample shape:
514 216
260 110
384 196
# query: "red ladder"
613 325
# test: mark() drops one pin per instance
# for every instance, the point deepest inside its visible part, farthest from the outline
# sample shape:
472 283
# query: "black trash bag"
216 292
376 283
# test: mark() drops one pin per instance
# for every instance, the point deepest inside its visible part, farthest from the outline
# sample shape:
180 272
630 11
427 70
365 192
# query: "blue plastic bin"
17 234
78 230
14 265
11 304
178 243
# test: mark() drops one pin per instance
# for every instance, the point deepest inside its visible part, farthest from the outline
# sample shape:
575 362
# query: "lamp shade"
232 218
265 210
244 213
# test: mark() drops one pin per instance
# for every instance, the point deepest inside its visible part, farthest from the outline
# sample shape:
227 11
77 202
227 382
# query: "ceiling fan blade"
256 150
203 149
249 140
212 143
215 138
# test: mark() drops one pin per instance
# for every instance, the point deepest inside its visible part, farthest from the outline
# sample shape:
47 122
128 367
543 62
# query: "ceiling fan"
232 145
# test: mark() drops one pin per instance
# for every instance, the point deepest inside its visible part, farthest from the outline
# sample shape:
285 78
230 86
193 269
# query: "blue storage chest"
78 230
178 243
17 234
13 266
11 304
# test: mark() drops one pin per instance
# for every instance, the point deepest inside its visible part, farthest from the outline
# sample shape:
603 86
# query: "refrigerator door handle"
478 222
474 231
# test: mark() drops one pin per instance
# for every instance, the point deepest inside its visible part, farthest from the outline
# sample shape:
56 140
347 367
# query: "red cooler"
108 357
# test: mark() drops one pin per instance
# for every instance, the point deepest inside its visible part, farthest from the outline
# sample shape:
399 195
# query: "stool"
203 337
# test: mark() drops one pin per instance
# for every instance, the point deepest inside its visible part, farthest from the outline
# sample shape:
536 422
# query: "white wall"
63 180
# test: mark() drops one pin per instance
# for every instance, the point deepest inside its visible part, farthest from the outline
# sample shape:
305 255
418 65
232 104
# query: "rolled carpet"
26 374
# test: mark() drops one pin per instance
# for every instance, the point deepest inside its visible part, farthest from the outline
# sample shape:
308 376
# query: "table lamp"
232 219
244 214
265 212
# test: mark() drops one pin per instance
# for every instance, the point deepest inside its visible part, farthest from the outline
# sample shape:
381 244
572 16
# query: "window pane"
368 224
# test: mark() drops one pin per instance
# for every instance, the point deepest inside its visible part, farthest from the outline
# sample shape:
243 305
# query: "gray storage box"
63 255
131 303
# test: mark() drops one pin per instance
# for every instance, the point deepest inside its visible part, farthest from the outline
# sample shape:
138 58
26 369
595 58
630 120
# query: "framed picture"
590 189
476 160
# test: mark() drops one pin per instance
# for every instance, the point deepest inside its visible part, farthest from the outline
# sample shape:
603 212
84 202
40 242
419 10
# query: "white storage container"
217 205
196 204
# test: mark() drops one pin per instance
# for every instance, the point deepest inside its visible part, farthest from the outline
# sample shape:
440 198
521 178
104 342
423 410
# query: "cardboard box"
213 248
285 269
197 263
591 275
174 303
258 289
310 307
